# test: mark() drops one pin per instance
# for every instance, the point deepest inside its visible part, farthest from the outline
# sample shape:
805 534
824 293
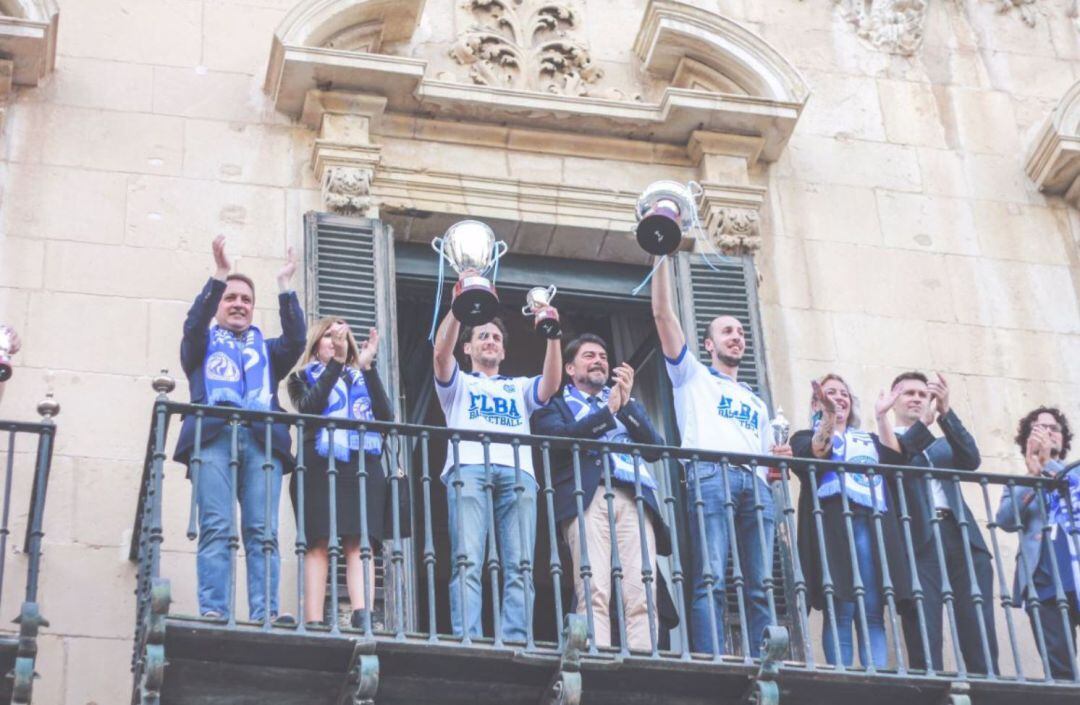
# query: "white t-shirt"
715 412
498 404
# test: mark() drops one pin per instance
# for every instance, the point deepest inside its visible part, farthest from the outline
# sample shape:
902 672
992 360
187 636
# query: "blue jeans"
755 552
215 499
473 513
862 531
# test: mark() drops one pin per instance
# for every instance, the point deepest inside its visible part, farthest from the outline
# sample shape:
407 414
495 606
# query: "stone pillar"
730 205
344 159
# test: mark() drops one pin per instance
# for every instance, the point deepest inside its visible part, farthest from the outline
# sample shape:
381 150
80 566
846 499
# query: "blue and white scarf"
346 401
622 464
236 369
854 446
1059 517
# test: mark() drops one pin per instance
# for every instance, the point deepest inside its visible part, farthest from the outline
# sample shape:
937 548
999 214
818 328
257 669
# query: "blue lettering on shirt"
496 410
744 414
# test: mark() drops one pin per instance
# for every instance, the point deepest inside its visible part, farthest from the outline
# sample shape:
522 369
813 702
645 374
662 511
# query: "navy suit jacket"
556 419
955 451
283 352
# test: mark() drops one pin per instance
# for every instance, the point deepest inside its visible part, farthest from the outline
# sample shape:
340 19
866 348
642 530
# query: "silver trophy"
665 210
469 247
538 305
5 353
781 428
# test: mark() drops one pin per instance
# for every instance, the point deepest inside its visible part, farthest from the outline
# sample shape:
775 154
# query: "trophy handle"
500 249
437 245
526 310
696 191
551 291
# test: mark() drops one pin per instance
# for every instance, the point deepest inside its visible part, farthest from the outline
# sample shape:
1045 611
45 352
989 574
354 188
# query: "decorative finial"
163 383
48 407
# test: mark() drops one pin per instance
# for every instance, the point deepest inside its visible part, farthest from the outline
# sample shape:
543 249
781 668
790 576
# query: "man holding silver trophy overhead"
715 412
487 479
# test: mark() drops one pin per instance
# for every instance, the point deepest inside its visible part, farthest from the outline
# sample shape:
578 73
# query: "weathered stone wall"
899 231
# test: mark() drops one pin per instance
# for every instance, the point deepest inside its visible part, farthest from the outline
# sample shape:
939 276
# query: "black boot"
357 620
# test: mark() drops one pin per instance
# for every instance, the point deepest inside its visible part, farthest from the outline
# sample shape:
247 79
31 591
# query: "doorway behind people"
593 297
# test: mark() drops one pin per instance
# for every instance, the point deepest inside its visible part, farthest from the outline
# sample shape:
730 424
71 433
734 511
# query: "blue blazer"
283 351
556 419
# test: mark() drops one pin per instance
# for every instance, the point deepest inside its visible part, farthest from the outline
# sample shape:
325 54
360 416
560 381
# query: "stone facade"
896 167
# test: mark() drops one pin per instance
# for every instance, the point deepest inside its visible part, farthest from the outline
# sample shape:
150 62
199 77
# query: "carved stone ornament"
738 231
347 190
895 26
525 45
1025 7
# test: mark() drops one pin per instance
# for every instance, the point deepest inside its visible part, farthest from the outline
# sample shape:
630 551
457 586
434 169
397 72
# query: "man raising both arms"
484 400
715 412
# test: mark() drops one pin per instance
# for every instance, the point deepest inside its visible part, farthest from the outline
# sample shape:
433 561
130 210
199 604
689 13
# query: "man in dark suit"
938 500
588 408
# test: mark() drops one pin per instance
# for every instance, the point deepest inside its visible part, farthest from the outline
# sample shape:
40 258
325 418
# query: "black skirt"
317 497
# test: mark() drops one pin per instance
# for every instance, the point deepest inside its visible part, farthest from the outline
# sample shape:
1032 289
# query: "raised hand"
221 260
827 404
285 274
885 401
368 349
339 336
940 392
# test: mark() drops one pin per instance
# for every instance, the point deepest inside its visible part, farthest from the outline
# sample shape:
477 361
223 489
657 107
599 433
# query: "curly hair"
1023 431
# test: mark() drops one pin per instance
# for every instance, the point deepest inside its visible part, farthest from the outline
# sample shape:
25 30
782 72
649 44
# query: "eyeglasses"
1049 427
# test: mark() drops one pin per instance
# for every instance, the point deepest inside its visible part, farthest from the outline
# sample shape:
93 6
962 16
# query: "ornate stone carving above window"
894 26
526 45
1054 162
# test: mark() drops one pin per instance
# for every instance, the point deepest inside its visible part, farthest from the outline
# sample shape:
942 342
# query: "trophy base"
475 301
547 324
5 372
658 234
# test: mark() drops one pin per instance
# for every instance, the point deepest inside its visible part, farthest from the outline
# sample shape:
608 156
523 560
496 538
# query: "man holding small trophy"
484 479
715 412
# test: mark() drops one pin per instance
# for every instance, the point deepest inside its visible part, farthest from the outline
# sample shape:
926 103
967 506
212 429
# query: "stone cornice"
1054 162
30 44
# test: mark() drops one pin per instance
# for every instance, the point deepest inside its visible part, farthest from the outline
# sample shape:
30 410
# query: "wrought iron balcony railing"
32 442
417 646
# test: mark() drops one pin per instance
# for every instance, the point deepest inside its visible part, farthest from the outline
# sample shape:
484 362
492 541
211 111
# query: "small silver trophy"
470 248
538 305
665 210
781 428
5 354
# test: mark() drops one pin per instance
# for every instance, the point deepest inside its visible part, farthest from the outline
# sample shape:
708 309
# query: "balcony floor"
209 664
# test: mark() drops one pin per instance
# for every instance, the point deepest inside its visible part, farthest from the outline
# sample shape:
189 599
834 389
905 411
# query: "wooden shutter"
728 286
349 273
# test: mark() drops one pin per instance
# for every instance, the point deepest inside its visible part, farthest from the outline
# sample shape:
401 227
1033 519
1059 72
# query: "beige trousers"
598 544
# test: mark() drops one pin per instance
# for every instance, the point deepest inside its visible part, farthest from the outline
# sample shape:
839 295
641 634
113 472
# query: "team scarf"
236 369
622 464
1060 504
854 446
349 399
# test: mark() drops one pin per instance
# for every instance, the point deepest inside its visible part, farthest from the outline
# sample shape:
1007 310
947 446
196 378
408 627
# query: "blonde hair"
352 350
853 419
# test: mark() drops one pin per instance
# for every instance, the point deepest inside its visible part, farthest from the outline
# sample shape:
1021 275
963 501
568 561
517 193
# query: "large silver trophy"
5 353
469 247
665 210
538 305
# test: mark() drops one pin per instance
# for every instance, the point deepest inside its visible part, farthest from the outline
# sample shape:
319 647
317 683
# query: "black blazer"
556 419
956 451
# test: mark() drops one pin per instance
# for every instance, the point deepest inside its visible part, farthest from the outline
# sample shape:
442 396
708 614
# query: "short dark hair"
905 376
1023 431
237 277
574 346
467 331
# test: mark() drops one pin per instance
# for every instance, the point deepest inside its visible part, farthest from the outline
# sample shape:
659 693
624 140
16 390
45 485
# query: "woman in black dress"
835 436
337 378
